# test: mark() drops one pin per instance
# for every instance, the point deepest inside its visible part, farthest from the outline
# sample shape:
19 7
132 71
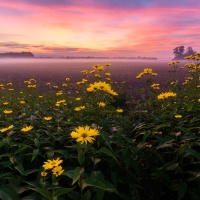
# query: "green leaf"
8 193
20 149
182 189
77 173
62 191
35 153
106 138
81 156
20 168
5 155
100 193
108 152
171 165
43 192
190 106
165 142
5 174
161 126
68 173
104 185
193 153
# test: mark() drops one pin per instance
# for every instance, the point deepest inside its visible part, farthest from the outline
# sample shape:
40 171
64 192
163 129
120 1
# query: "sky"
150 28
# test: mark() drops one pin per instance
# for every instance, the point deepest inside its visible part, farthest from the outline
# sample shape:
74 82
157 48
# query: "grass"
97 139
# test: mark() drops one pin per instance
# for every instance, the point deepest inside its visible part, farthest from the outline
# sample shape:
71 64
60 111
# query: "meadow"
114 130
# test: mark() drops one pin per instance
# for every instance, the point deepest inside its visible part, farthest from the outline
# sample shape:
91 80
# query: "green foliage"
146 151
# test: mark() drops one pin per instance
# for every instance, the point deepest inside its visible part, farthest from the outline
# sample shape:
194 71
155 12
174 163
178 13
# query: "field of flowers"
94 140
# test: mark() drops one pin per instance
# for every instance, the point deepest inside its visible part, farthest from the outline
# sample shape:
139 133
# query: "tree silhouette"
179 52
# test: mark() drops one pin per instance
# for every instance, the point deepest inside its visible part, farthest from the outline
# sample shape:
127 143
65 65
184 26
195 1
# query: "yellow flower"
119 111
64 85
84 134
57 171
10 127
52 163
78 99
22 102
165 95
43 173
55 86
59 93
67 79
6 129
96 66
178 116
11 89
107 74
27 128
48 83
3 130
107 64
79 108
31 86
97 75
101 104
7 111
100 68
40 96
155 86
47 118
84 71
5 103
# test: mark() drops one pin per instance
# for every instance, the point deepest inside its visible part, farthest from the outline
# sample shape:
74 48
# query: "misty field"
115 130
56 70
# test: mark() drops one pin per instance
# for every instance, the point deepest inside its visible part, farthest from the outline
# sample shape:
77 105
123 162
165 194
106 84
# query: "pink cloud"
87 28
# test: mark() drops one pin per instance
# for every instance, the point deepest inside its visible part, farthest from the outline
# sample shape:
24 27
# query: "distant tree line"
180 52
17 55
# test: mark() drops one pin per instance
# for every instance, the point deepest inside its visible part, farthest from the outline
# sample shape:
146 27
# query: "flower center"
84 135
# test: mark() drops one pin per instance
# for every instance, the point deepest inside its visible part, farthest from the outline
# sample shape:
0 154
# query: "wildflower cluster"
196 56
166 95
31 83
173 62
146 71
103 86
54 166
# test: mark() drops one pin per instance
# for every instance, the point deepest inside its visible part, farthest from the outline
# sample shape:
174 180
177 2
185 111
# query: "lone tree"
180 53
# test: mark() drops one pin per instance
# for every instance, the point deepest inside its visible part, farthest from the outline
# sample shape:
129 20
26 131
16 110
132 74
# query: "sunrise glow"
99 28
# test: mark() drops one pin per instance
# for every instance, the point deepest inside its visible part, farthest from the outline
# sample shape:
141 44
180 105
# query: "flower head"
119 111
43 173
57 171
84 134
27 128
178 116
7 111
101 104
47 118
52 163
6 129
